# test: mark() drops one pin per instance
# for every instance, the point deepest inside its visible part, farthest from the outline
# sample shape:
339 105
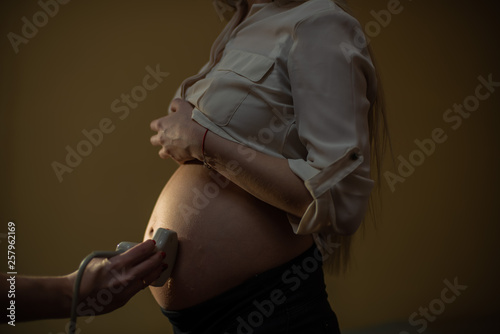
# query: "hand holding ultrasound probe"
122 273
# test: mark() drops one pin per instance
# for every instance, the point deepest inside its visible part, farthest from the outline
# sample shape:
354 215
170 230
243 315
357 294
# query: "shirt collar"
256 7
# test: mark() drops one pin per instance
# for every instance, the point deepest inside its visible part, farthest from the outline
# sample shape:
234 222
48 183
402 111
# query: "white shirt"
288 81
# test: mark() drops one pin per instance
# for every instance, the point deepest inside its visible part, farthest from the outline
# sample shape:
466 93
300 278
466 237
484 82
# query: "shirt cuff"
340 197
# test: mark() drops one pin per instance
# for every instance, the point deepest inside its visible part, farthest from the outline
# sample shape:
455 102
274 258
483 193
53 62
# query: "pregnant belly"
225 236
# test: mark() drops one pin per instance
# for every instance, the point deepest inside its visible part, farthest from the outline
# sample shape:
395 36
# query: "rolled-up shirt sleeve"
333 83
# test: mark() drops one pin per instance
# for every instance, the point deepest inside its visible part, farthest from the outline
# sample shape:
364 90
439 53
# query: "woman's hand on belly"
179 136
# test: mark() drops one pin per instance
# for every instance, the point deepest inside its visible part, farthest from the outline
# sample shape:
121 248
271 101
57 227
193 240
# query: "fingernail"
163 255
164 266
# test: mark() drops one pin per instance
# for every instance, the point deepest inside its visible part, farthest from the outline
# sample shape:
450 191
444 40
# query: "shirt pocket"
231 81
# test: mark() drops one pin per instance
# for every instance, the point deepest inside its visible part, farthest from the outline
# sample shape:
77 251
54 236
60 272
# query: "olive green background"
441 223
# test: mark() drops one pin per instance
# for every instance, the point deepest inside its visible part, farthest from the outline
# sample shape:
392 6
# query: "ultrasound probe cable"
78 282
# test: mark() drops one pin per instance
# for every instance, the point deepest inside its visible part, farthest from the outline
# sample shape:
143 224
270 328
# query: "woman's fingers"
144 273
123 275
156 140
176 104
164 154
148 271
142 263
159 139
136 254
158 126
175 132
154 125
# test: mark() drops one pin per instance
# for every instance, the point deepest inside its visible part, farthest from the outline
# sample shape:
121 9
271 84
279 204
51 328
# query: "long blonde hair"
379 142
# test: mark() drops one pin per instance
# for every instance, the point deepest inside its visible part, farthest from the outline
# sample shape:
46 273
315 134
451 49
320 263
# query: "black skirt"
288 299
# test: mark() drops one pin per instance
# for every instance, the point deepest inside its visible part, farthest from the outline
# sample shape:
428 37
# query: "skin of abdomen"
225 236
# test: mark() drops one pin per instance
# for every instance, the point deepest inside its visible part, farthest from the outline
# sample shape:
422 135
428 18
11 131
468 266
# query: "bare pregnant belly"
225 236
